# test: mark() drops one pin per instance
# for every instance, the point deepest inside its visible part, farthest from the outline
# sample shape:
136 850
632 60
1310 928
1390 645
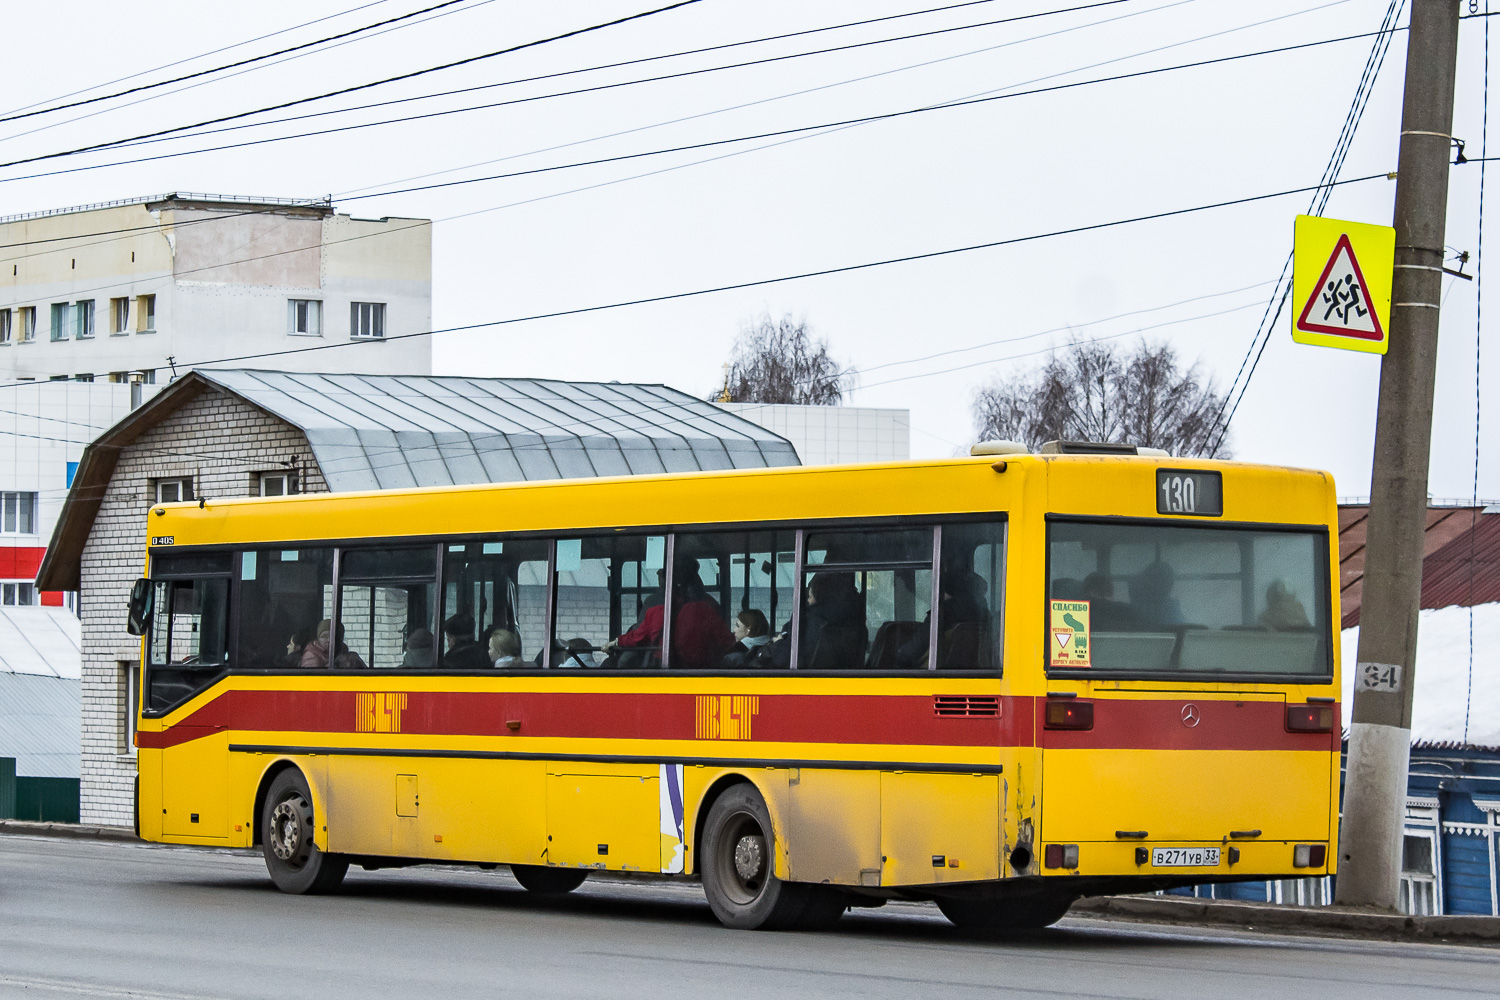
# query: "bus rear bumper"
1187 862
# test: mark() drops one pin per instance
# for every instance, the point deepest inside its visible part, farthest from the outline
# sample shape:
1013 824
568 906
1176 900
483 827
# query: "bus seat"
965 646
840 647
890 639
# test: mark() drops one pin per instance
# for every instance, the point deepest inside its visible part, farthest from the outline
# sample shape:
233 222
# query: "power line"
862 120
201 55
1484 133
824 272
228 66
365 86
1218 428
128 143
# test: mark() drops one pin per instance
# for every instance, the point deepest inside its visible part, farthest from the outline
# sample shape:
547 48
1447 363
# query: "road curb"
1323 920
72 831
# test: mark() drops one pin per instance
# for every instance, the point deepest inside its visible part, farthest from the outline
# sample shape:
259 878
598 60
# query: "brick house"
251 433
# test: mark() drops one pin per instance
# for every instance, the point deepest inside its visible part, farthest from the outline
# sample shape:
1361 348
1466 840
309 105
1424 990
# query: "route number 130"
1193 493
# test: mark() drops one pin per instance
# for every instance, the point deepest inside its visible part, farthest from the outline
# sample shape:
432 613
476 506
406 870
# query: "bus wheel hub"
286 831
750 857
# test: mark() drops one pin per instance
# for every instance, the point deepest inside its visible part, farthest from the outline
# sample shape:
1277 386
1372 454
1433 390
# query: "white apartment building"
167 283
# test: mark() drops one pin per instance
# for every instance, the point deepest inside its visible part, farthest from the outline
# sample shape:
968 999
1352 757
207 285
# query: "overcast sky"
922 334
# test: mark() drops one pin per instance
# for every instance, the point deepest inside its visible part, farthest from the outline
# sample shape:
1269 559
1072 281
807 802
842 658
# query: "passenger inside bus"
505 648
699 634
316 655
833 624
752 634
462 652
419 651
1106 613
297 645
964 614
1283 610
1151 597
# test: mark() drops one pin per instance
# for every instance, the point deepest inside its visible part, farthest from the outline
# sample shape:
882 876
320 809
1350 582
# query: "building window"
25 324
127 690
145 314
278 484
119 317
62 320
1419 896
21 593
367 319
18 513
304 317
4 327
174 490
84 377
83 319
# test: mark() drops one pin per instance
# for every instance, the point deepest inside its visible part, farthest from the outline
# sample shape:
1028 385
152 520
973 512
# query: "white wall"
834 435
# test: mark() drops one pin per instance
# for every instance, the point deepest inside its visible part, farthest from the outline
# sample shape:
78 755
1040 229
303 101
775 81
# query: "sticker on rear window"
1068 634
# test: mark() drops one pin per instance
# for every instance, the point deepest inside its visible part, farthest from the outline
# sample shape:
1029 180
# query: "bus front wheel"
548 881
996 915
294 861
737 862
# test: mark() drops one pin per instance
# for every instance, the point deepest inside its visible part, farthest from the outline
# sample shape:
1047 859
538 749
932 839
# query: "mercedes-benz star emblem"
1190 715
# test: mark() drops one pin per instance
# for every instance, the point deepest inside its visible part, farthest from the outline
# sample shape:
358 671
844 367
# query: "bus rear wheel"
294 861
548 881
998 915
737 862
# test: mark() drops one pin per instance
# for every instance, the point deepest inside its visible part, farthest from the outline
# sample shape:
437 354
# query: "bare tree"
1092 391
778 361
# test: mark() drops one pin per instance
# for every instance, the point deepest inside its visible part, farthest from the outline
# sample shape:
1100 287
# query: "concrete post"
1380 730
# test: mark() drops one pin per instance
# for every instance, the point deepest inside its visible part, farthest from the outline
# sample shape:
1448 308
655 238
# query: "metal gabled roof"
372 432
39 724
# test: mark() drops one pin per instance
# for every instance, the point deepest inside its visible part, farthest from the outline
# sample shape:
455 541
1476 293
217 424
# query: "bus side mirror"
139 618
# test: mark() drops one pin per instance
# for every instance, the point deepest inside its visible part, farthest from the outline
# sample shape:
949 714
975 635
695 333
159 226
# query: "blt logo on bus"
379 712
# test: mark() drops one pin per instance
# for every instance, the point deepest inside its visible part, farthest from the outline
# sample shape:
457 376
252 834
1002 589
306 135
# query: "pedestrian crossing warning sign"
1341 284
1068 634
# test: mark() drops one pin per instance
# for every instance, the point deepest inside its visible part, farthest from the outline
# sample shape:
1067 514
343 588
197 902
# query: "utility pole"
1380 729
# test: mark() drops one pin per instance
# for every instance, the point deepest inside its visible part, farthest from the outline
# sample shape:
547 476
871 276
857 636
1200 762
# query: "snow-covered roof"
1443 695
39 640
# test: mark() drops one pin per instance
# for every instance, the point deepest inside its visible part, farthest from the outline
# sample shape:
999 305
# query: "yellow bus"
998 683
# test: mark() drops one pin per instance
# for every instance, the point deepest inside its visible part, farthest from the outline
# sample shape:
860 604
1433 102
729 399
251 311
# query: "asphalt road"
99 919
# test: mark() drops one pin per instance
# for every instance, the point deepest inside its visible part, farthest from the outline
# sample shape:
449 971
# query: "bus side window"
867 597
971 596
610 605
500 586
387 606
738 613
284 594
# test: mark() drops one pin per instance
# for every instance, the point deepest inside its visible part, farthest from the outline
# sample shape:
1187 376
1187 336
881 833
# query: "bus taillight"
1069 714
1309 718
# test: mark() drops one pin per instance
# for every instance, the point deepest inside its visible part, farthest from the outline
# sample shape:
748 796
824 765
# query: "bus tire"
295 863
548 881
997 915
737 865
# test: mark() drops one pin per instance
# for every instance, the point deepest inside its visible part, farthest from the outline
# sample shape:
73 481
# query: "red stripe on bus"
836 719
829 719
1187 723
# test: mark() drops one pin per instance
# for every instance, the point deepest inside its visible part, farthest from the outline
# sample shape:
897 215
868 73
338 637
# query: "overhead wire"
469 60
1218 427
1484 132
17 116
195 58
687 147
128 143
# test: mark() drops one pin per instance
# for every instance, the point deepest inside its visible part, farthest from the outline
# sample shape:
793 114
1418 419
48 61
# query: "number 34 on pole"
1341 284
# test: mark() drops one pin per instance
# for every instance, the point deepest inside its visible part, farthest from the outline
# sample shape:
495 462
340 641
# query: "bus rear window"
1181 599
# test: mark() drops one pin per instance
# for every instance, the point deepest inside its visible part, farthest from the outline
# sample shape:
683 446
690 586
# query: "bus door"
1177 645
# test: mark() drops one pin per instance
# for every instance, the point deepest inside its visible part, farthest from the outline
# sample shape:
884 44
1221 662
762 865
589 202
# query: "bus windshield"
1178 599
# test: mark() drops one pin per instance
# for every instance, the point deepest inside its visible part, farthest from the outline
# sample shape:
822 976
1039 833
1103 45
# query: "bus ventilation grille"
958 705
